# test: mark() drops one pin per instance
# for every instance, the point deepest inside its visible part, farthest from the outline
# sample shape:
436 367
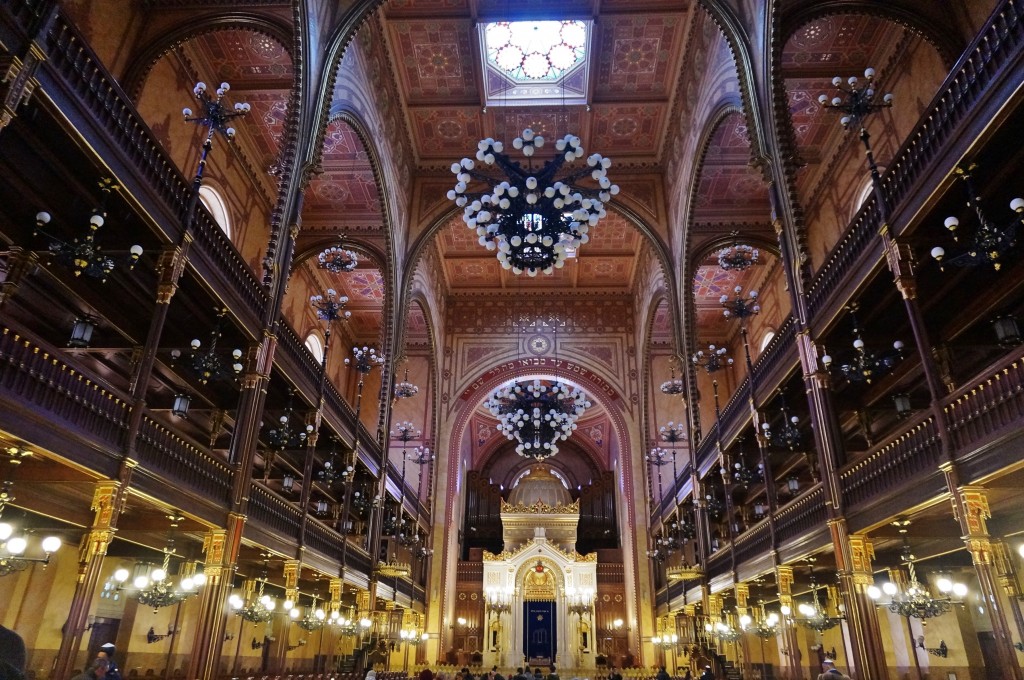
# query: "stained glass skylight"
535 60
532 51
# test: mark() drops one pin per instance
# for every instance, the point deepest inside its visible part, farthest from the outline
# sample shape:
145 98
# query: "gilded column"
279 647
790 648
1008 580
861 613
742 591
972 511
220 547
106 502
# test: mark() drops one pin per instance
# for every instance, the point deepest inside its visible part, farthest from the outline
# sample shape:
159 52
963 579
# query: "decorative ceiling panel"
553 122
266 121
448 133
731 190
343 146
628 129
811 124
605 272
458 239
347 195
711 282
416 328
473 273
532 8
730 141
396 8
435 60
615 234
246 56
838 43
637 55
362 285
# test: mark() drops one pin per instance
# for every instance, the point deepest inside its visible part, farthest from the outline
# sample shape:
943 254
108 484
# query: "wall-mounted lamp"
902 403
793 485
81 332
942 650
152 636
181 404
1007 330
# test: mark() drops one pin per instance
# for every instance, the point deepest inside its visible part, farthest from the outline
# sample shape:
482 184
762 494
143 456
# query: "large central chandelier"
537 414
531 215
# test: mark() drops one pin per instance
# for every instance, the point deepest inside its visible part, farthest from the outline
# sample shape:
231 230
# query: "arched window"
211 198
864 195
315 346
765 339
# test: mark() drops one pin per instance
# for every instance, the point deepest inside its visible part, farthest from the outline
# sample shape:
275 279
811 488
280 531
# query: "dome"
539 484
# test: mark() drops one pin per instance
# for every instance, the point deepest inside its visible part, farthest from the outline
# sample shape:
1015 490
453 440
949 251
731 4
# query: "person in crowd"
662 674
613 673
830 672
107 652
537 674
708 674
495 675
12 649
96 671
520 675
552 675
426 674
370 673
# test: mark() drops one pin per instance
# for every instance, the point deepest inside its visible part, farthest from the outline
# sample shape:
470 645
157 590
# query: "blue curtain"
540 636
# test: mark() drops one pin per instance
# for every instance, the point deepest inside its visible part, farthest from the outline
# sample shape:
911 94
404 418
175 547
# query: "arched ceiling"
259 70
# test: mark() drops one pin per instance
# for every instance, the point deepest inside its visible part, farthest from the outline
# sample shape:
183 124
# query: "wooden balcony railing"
188 465
804 515
276 513
60 391
988 406
913 449
994 55
108 115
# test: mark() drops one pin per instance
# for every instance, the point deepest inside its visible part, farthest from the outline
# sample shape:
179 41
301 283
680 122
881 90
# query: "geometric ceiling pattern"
259 70
635 63
606 264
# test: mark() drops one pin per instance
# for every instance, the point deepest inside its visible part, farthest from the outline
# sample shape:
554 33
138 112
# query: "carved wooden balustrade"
971 93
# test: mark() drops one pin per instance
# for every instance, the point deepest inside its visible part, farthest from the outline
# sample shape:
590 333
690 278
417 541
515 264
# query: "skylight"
531 51
535 61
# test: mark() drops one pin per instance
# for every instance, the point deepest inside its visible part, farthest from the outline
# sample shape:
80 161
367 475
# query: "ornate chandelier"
788 435
764 628
814 615
865 365
673 385
256 608
406 389
915 599
82 255
991 241
338 259
713 360
737 256
158 590
314 619
209 364
537 414
532 216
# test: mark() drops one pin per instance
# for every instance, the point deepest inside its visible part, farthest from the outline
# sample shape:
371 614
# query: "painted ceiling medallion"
537 414
531 216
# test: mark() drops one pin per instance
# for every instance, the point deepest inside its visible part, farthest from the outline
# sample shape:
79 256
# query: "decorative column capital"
974 500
